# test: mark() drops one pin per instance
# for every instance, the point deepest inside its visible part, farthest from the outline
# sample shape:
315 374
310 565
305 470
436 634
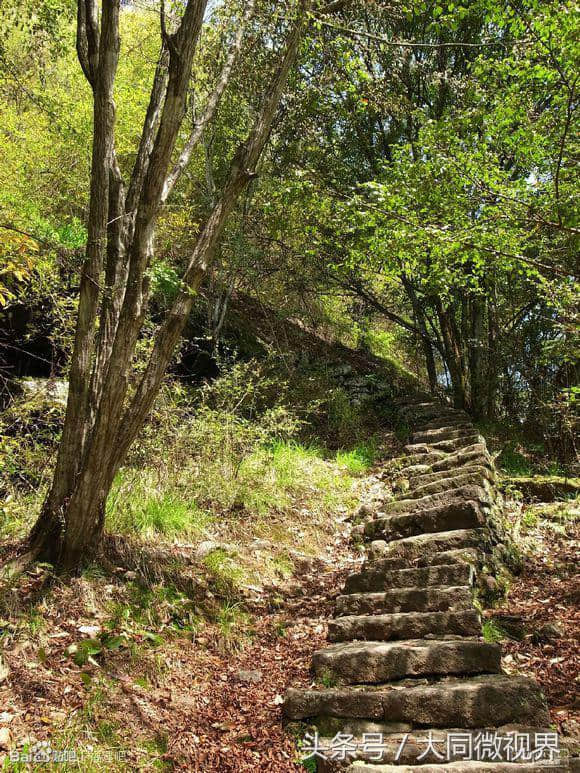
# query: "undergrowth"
237 455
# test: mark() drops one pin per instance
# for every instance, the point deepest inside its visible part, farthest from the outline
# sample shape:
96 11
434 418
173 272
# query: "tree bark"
453 354
425 338
100 424
477 358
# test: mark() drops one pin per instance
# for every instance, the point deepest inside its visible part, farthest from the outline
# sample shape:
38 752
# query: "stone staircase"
407 667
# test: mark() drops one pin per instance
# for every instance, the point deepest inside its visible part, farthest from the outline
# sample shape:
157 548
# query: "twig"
405 43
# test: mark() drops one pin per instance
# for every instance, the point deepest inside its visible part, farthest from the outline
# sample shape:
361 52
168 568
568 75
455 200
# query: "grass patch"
359 459
224 569
492 632
181 502
233 622
139 504
512 461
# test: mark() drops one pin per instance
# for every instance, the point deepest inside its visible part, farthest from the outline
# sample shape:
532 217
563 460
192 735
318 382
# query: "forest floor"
543 605
207 701
128 677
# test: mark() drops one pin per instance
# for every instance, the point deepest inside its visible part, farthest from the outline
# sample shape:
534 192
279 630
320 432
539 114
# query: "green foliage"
233 623
345 418
136 505
492 632
29 429
513 461
228 449
359 459
328 679
224 570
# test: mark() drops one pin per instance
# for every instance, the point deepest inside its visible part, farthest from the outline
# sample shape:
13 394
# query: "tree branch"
241 172
212 104
403 43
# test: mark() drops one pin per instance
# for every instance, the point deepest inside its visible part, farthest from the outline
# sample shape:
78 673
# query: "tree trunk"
453 354
101 423
425 339
477 369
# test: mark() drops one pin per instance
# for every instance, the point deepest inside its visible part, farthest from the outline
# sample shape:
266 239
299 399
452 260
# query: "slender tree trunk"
425 338
453 354
101 422
477 369
492 360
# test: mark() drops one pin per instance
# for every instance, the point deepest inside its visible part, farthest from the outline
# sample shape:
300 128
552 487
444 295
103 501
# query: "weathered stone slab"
445 421
404 625
422 414
456 513
455 479
485 701
376 662
456 495
474 454
405 600
430 477
340 702
442 433
460 556
428 545
376 577
449 445
480 701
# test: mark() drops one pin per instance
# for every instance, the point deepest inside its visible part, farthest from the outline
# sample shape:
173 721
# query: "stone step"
459 556
484 701
419 401
376 577
425 460
442 433
423 413
376 662
425 546
418 408
416 480
418 397
413 470
454 514
455 479
449 446
459 422
475 454
460 767
404 625
459 494
435 599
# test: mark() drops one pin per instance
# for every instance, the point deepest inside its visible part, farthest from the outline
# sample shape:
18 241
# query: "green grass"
233 622
224 569
492 632
273 477
136 505
277 477
514 462
359 459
